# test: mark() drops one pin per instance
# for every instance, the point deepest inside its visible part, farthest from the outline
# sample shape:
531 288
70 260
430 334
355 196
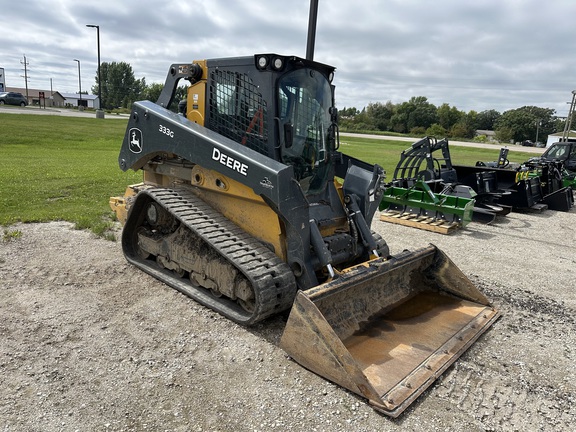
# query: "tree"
459 130
119 87
437 131
399 120
487 119
526 122
152 92
423 115
180 94
466 126
504 134
448 116
136 93
380 114
417 112
419 115
362 122
348 112
347 117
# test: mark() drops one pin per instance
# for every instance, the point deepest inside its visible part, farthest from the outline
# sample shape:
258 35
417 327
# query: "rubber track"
272 280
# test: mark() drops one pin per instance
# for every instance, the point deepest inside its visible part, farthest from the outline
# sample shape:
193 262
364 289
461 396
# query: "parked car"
13 98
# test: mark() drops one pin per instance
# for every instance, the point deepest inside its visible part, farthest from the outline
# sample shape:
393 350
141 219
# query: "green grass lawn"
66 168
60 168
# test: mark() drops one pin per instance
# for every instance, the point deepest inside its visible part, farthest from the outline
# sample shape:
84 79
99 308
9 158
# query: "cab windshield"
305 99
558 151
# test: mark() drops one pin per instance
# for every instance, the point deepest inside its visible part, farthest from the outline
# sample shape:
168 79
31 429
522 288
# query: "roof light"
262 62
277 63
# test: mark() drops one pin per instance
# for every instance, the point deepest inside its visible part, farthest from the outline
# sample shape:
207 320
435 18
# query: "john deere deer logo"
135 140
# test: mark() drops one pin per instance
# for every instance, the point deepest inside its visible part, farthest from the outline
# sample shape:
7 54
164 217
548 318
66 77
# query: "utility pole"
568 124
80 106
25 63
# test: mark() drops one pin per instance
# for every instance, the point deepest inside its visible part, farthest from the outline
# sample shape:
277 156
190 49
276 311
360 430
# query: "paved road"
452 143
57 112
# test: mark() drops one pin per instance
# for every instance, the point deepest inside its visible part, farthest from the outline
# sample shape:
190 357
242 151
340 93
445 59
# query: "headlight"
277 63
262 62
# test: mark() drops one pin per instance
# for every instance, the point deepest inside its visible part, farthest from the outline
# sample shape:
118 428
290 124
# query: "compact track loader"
249 207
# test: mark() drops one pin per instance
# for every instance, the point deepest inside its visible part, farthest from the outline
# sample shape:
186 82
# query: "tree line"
120 88
417 117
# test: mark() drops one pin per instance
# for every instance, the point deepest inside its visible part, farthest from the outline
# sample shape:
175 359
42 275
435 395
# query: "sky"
474 55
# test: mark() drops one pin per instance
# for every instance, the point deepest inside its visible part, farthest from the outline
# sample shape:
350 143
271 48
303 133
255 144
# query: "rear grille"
237 109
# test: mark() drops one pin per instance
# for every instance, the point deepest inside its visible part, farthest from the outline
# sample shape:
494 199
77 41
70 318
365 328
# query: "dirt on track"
90 343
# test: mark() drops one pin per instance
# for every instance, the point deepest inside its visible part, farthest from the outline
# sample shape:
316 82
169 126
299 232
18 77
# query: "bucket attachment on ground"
386 330
536 185
557 195
419 207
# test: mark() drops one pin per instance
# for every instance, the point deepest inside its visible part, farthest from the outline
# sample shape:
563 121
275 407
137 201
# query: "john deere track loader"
249 207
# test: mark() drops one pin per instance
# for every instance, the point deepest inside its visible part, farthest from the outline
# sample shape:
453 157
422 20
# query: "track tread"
271 278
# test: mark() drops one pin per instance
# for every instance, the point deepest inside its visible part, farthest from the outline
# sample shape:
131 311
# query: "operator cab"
562 151
304 102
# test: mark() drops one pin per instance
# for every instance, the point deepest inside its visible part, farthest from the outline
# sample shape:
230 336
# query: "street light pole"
99 111
79 84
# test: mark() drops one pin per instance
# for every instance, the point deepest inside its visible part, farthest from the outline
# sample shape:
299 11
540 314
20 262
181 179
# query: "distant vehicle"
13 98
564 151
528 143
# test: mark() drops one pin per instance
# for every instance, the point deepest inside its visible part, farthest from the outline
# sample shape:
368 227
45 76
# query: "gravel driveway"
89 343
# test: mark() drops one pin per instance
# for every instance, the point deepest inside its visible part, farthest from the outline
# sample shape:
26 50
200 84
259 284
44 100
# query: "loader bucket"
386 330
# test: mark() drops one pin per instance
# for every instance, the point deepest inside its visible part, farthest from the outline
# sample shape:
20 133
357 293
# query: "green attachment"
568 179
567 182
421 200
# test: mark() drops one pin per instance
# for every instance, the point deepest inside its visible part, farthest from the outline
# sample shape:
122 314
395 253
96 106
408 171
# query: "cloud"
473 55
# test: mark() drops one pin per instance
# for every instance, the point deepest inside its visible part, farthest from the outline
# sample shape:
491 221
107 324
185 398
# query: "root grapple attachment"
420 205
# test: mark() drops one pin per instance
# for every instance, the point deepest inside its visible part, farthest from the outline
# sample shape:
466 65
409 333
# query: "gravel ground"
89 343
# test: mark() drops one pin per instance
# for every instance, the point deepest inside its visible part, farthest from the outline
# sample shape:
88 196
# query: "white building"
558 136
85 100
